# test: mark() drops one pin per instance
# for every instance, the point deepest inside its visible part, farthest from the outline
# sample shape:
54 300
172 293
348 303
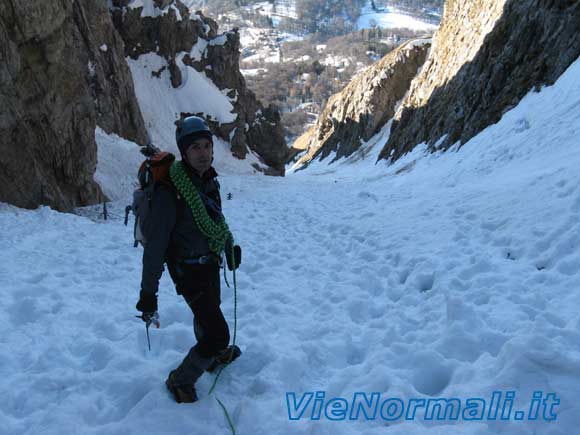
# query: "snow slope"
391 18
445 275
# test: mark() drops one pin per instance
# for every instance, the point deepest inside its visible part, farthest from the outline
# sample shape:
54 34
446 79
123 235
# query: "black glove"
147 302
237 260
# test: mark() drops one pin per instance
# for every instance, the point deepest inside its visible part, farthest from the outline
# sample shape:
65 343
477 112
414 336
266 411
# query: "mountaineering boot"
224 358
181 393
181 381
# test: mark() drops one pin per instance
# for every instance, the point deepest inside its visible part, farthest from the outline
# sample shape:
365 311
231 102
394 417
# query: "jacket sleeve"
160 223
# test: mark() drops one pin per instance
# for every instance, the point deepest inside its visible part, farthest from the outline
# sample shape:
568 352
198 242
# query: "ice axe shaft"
149 318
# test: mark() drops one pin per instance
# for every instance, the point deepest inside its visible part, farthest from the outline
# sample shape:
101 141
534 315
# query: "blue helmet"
189 129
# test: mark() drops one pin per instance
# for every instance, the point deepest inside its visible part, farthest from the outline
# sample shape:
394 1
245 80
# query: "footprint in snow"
432 374
356 354
358 311
93 357
25 311
368 195
36 278
424 281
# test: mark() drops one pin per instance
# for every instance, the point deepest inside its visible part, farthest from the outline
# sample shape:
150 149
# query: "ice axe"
149 318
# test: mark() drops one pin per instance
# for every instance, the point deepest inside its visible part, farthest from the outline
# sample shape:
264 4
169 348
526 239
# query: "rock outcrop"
169 31
257 128
364 106
62 71
486 56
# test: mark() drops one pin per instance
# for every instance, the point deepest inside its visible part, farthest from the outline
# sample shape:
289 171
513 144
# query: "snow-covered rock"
185 67
363 108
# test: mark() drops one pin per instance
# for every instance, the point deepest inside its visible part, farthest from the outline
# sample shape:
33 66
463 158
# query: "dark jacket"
171 229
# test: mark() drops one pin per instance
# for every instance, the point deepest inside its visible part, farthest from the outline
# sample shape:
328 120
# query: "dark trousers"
200 287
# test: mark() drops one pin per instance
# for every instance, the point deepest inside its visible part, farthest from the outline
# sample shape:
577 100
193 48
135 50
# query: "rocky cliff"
486 56
364 106
62 71
184 40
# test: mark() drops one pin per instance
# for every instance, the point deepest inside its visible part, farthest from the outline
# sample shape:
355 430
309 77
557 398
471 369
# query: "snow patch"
391 18
161 104
219 40
118 160
199 50
151 10
253 71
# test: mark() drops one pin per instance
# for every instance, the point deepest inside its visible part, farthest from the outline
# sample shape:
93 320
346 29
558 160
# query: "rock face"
263 134
486 56
110 80
169 32
368 102
62 71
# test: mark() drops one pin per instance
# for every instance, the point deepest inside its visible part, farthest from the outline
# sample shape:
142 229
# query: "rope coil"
217 233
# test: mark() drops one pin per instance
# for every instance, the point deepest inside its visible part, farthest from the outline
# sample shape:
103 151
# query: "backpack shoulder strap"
168 184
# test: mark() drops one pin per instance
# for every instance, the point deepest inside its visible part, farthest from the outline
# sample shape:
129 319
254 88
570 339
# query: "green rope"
217 233
235 325
215 381
232 428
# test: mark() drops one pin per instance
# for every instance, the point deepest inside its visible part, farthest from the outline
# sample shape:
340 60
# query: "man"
187 231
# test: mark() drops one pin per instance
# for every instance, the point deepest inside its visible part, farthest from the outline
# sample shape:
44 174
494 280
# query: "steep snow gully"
446 275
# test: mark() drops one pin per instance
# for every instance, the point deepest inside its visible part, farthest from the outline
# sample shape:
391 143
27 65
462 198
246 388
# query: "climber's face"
200 155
